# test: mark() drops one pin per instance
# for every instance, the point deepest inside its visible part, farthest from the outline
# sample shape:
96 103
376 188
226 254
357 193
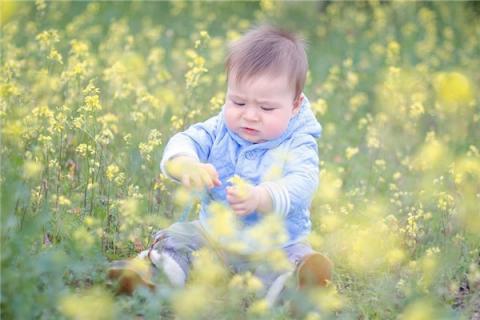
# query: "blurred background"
91 91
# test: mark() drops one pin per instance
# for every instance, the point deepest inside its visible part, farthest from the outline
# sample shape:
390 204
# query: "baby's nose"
250 114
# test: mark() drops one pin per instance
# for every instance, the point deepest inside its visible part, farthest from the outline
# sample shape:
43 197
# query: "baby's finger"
217 182
196 181
233 193
232 200
206 180
186 181
237 207
213 174
240 212
211 169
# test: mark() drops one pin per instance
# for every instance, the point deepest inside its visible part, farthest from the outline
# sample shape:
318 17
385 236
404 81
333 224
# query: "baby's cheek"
276 128
231 117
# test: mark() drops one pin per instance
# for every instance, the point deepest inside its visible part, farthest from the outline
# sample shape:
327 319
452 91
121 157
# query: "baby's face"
259 109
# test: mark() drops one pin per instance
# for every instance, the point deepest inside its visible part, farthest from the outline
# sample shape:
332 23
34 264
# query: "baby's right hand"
193 174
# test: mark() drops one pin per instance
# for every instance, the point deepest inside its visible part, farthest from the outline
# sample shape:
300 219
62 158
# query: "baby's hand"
193 174
242 196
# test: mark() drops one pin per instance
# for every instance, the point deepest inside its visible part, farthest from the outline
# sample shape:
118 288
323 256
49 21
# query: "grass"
91 92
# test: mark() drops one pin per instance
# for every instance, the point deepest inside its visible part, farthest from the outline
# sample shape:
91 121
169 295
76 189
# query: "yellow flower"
253 283
192 302
330 222
453 89
105 137
313 316
241 185
327 299
64 201
92 103
112 172
381 164
350 152
315 240
419 310
217 101
177 122
91 304
246 281
393 51
8 9
84 149
330 187
416 110
259 307
55 56
83 238
222 221
207 268
32 169
319 107
278 260
395 256
352 79
433 155
267 5
269 233
78 47
273 173
358 100
47 38
197 68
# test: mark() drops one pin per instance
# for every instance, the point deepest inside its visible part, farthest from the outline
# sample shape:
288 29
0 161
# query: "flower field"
90 92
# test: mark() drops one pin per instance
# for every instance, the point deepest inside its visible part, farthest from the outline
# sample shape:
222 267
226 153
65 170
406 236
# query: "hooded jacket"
287 166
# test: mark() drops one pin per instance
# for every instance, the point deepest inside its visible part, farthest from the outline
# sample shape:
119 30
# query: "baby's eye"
238 103
267 109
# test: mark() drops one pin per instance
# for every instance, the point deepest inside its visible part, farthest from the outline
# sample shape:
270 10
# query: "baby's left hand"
243 199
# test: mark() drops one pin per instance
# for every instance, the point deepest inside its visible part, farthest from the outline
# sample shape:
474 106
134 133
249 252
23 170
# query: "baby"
265 115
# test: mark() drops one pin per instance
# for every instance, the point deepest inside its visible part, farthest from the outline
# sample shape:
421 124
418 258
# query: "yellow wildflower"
112 172
55 56
92 103
91 304
416 110
8 9
320 107
83 238
222 221
241 185
358 100
78 47
453 89
350 152
192 302
259 307
419 310
327 299
32 169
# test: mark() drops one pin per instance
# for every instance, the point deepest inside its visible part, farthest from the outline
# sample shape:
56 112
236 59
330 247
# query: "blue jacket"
294 154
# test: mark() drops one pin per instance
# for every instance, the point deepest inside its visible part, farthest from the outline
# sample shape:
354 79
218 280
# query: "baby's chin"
256 140
252 139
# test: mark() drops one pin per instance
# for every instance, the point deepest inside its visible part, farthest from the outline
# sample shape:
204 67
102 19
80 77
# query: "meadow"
91 92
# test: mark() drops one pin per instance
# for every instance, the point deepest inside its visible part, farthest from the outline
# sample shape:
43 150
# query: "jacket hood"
303 123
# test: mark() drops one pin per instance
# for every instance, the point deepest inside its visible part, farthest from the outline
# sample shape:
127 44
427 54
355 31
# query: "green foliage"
91 91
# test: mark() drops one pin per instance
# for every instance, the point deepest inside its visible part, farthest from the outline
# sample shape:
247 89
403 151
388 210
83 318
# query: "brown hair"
268 49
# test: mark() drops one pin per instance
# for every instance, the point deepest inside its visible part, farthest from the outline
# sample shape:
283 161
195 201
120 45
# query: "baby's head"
266 71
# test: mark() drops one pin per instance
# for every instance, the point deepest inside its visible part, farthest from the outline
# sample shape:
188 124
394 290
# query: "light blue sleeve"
196 142
294 191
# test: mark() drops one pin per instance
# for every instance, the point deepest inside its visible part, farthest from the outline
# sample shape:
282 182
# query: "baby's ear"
297 104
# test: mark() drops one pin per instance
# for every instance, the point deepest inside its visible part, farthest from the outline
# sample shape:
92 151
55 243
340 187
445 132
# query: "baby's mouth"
248 130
